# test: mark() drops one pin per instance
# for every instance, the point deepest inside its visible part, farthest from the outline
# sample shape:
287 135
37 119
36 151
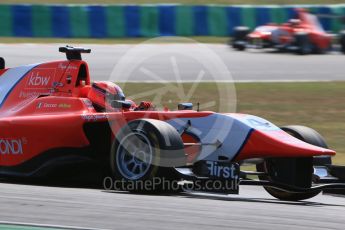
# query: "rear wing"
73 53
313 18
310 19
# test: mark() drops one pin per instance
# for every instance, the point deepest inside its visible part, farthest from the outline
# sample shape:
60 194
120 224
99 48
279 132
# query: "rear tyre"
342 41
303 43
143 157
297 172
240 38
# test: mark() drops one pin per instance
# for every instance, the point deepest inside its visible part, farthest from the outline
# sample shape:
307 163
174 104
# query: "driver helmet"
295 22
103 92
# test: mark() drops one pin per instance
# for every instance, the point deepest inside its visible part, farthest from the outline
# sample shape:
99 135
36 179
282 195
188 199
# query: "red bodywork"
46 114
283 34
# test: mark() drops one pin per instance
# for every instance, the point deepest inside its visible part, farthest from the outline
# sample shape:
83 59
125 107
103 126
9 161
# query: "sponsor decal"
12 146
37 80
45 105
53 105
40 78
57 84
221 171
72 67
64 106
62 66
257 123
26 94
94 117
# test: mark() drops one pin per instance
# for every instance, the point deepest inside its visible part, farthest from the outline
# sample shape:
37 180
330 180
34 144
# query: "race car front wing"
225 177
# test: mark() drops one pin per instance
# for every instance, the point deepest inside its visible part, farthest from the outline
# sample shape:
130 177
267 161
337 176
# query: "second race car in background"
303 34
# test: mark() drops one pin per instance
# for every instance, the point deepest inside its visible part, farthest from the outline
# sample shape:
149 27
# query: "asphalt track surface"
253 208
252 65
100 209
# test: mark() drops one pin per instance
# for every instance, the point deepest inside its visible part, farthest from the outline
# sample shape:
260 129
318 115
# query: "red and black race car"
52 116
303 34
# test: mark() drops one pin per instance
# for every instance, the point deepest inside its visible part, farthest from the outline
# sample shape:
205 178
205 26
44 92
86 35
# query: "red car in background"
303 34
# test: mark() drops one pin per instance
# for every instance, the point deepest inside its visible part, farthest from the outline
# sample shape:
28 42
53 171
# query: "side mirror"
117 104
185 106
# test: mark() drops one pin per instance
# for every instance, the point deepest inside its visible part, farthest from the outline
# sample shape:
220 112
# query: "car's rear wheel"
144 155
342 41
303 43
294 171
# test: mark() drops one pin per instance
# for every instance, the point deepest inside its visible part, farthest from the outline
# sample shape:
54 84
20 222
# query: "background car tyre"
144 153
240 47
342 41
239 39
297 172
303 43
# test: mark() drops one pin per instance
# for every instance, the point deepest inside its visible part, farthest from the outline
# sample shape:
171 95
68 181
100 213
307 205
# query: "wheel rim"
134 156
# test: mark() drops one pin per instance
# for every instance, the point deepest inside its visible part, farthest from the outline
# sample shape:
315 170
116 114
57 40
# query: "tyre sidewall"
152 172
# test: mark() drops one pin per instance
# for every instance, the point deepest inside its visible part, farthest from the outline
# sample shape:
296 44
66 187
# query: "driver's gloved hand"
145 105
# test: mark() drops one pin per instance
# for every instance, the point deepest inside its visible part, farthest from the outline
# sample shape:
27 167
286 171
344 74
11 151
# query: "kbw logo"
11 146
37 80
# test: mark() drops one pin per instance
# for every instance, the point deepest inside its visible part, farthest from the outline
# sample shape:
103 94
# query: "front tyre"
310 136
239 40
144 154
294 171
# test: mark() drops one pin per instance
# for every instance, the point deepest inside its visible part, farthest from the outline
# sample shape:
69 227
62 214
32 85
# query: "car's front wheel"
296 172
144 154
239 40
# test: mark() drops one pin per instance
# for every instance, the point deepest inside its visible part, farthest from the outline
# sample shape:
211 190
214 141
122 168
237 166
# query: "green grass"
201 39
24 227
317 105
181 1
